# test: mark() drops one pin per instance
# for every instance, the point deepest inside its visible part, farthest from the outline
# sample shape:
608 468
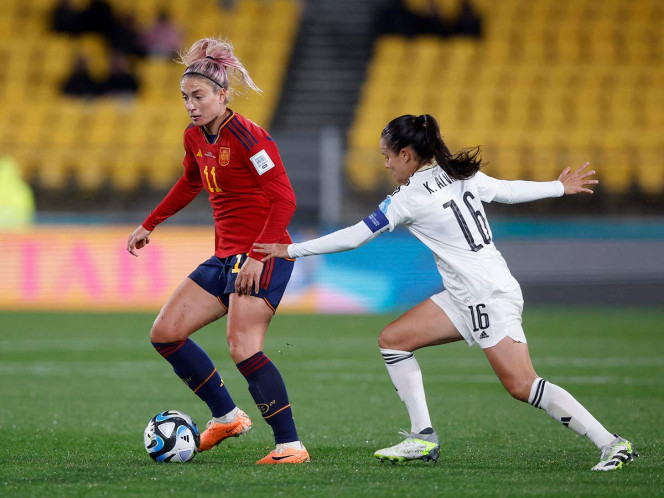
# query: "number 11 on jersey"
214 179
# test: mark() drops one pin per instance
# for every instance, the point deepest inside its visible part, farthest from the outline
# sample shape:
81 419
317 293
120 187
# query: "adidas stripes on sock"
562 406
407 379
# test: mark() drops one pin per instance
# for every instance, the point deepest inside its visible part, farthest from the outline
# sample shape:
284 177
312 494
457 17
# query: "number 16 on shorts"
494 319
479 315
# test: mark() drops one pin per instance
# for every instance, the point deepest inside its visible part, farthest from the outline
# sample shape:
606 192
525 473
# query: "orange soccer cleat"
285 453
216 432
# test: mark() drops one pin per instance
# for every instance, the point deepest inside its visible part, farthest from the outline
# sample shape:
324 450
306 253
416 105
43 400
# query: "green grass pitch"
78 389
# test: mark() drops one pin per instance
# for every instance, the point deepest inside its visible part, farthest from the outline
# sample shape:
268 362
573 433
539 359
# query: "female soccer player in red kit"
238 164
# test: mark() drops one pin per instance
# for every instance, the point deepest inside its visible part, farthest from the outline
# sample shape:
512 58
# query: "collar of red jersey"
221 126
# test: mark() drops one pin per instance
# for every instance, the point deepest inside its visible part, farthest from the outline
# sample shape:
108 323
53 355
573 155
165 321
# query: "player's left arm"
517 191
577 181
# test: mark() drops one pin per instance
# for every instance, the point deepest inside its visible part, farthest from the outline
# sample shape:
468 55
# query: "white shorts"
487 321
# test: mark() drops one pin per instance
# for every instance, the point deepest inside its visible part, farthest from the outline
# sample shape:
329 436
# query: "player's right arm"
138 239
342 240
390 214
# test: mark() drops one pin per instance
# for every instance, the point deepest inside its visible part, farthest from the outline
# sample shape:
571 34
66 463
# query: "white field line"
480 361
134 369
55 345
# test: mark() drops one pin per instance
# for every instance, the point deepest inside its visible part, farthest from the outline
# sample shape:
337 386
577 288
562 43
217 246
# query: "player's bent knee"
241 347
240 352
389 338
161 332
518 388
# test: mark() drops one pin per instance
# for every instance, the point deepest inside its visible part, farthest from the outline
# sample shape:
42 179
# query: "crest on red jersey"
224 156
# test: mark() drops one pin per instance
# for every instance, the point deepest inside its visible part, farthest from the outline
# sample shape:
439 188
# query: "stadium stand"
552 83
123 143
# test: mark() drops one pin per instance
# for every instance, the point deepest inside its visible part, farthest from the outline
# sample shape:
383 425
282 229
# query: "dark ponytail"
423 135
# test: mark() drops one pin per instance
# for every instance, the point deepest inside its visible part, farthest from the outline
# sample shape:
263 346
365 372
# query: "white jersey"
448 217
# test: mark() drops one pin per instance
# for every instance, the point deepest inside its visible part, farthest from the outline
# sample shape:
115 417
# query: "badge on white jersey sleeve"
387 216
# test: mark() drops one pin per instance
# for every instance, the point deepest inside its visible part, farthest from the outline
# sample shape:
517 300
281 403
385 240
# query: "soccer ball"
171 436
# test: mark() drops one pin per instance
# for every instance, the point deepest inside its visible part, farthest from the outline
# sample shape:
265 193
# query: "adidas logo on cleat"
484 335
616 455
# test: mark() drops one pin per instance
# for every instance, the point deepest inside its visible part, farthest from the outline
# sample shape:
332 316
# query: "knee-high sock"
269 392
407 379
562 406
193 365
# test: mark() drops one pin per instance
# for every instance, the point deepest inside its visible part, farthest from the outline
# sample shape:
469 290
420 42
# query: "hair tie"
209 57
187 72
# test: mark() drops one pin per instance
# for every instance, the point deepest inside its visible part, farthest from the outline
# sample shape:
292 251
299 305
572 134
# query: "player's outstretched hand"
578 180
137 240
271 250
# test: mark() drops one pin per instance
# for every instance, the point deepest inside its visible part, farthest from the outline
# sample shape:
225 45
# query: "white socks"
562 406
296 445
229 417
558 403
407 379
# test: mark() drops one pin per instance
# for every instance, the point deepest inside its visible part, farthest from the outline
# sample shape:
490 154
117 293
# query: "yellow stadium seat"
541 164
650 172
508 164
164 168
124 172
390 46
66 129
89 170
55 170
615 174
365 169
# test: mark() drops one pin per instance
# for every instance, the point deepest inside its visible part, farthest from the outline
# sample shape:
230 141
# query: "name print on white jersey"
441 181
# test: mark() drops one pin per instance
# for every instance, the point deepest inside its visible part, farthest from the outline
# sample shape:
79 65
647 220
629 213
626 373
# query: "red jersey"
250 193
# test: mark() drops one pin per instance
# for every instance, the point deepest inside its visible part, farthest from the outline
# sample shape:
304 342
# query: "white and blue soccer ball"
171 436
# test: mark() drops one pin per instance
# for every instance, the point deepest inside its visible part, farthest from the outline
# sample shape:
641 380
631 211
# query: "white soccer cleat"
616 454
422 446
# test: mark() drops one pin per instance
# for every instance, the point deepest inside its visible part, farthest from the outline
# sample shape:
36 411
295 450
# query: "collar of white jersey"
427 166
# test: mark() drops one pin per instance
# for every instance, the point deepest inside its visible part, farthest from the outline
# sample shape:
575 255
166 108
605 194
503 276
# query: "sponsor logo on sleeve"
261 162
383 205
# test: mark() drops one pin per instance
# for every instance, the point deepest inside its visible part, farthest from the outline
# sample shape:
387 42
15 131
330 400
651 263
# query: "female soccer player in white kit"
440 202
